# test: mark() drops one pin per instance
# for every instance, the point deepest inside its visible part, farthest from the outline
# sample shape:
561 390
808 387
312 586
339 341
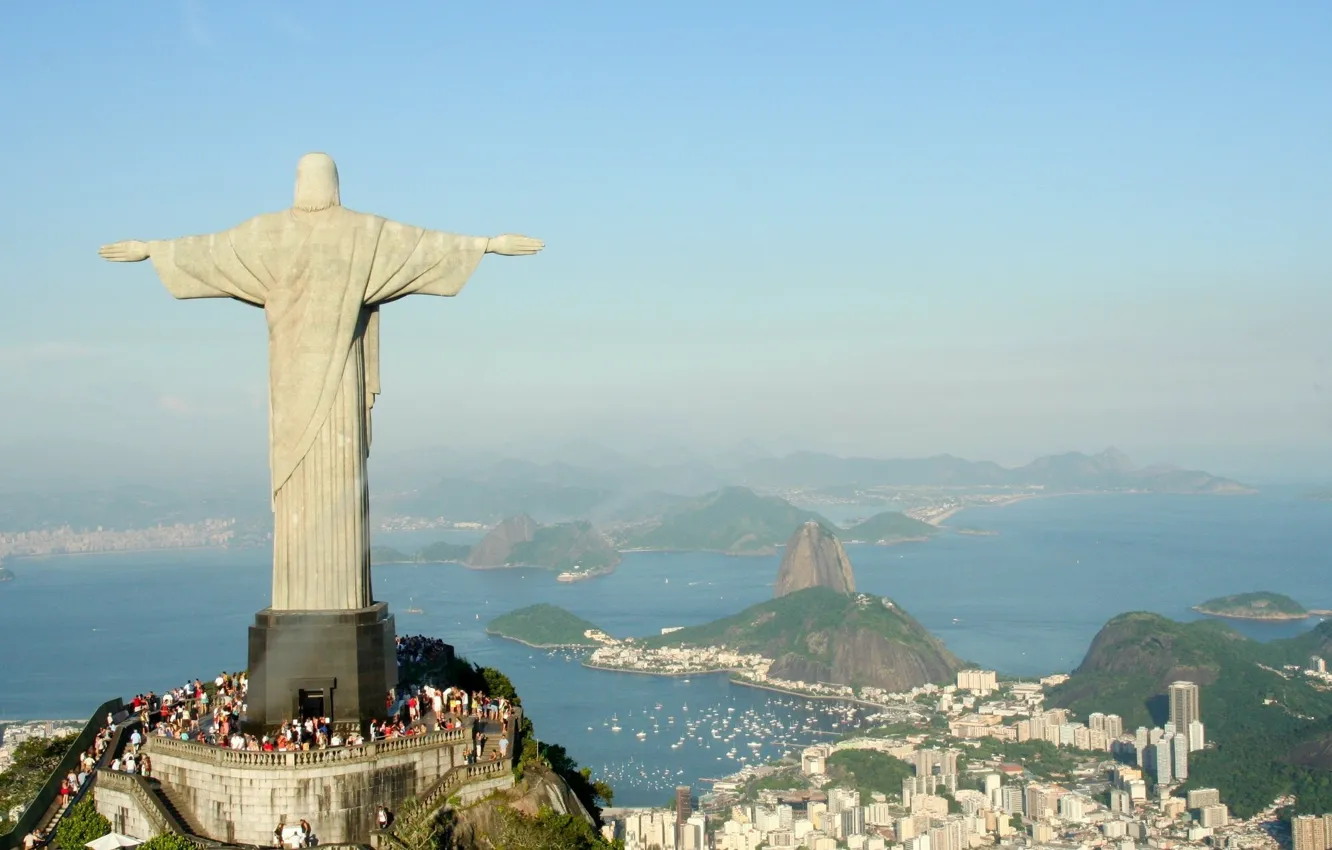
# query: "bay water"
1027 600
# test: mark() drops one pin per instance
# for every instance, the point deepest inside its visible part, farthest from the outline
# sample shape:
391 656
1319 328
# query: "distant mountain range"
608 491
1109 470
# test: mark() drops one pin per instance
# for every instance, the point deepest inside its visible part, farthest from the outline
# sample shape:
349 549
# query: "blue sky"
991 229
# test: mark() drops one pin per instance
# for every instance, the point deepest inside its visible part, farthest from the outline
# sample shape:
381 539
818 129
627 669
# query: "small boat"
642 735
615 728
412 611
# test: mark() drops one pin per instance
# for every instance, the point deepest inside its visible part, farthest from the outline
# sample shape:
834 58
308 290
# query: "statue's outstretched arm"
513 245
129 251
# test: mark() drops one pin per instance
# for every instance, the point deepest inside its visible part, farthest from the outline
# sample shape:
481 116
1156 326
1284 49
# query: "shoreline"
734 677
15 558
1268 618
489 633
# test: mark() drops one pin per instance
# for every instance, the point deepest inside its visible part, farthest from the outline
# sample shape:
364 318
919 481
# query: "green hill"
439 552
564 546
1265 722
734 520
443 552
389 555
820 635
1261 605
888 527
542 625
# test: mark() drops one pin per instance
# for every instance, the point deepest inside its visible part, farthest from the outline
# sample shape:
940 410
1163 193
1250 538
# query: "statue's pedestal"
338 664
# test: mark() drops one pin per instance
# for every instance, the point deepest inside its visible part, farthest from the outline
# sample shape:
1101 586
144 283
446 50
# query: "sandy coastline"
544 645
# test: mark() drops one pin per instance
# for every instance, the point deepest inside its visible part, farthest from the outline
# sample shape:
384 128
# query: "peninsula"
1259 605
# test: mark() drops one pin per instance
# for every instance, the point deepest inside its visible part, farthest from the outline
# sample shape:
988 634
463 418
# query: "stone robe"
320 278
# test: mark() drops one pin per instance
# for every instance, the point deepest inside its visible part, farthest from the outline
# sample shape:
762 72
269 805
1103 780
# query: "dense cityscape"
1121 789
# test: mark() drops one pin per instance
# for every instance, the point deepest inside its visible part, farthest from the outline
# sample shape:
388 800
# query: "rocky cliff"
495 548
483 825
814 558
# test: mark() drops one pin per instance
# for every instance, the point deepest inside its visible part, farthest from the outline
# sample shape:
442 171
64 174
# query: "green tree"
81 824
33 762
547 830
416 826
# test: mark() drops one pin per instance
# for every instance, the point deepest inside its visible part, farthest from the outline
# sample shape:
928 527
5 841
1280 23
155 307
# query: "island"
890 527
1260 605
544 626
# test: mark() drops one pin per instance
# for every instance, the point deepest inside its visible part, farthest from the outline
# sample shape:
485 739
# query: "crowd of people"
418 649
78 777
212 715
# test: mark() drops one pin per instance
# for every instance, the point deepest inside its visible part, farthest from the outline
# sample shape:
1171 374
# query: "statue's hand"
131 251
513 245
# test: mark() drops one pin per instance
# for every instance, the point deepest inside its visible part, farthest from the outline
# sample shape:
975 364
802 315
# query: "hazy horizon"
894 232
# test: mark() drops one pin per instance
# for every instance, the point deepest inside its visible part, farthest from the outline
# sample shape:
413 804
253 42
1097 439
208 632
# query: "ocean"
1027 601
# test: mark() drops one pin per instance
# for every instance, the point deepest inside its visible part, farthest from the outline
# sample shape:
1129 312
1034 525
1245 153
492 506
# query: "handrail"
36 810
141 789
462 774
305 758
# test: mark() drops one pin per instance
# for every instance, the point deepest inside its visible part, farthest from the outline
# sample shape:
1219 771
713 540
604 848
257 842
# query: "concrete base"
339 664
238 797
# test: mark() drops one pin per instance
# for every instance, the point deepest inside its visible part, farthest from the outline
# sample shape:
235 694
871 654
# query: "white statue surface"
320 272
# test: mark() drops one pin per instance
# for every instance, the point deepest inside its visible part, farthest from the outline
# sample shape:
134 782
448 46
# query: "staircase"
186 825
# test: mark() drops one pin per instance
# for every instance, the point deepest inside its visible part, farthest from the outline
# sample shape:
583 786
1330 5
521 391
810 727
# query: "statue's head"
316 183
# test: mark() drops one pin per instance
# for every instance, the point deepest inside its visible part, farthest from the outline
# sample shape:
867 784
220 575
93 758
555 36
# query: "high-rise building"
1013 799
1214 816
1308 832
1197 736
1202 797
1179 762
1158 757
1114 726
1184 704
684 807
977 680
853 821
695 833
1072 808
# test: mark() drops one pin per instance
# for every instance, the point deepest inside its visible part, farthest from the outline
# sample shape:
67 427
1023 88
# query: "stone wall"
123 810
238 796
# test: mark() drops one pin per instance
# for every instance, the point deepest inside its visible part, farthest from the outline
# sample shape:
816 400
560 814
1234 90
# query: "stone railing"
224 756
163 820
438 794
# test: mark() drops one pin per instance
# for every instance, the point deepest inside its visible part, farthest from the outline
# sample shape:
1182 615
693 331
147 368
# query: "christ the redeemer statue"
320 272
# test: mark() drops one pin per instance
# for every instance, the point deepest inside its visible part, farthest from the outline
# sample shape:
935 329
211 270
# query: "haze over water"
79 630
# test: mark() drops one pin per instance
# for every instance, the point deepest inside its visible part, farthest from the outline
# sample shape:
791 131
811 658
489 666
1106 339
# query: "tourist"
65 792
383 817
277 835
